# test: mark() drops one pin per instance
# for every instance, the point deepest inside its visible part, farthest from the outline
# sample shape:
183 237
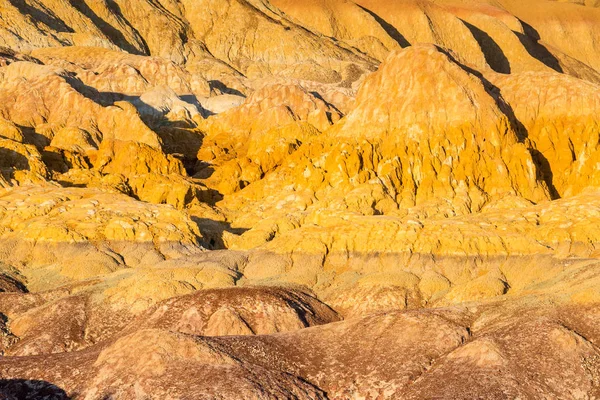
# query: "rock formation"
320 199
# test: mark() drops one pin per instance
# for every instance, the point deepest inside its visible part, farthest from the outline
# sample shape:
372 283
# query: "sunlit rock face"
318 199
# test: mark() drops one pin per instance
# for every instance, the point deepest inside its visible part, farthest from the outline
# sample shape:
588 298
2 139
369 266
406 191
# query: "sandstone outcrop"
505 37
441 346
116 73
253 139
67 229
62 321
243 311
564 138
324 199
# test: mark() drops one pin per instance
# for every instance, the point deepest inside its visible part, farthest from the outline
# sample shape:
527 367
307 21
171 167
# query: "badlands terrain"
299 199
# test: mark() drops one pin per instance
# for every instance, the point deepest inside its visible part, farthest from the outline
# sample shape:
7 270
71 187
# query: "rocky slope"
275 199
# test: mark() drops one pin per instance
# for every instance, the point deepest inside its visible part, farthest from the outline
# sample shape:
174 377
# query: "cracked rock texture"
282 199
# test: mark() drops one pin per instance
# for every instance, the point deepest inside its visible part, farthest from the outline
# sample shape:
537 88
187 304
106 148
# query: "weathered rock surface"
435 346
320 199
245 143
83 233
69 320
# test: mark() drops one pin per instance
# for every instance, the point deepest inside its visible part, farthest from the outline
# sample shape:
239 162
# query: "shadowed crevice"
45 16
24 389
213 232
388 28
545 173
543 167
113 34
116 10
318 96
530 39
223 88
10 284
492 52
496 95
10 162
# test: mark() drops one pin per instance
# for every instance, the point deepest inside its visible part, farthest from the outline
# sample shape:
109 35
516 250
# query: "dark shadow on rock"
154 117
212 232
531 41
388 28
544 169
43 15
115 35
11 161
57 160
116 10
211 197
318 96
30 136
9 284
106 99
181 141
67 184
495 93
9 56
492 52
24 389
216 85
177 136
91 93
203 170
191 99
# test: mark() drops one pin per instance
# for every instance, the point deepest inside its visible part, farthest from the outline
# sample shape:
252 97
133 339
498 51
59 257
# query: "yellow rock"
57 228
8 130
429 170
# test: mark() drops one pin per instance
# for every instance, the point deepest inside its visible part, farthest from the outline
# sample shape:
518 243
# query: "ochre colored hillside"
283 199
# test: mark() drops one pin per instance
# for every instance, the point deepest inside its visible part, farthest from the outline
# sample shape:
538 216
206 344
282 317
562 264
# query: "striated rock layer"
320 199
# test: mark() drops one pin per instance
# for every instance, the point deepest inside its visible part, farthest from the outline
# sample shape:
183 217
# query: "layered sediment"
316 200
